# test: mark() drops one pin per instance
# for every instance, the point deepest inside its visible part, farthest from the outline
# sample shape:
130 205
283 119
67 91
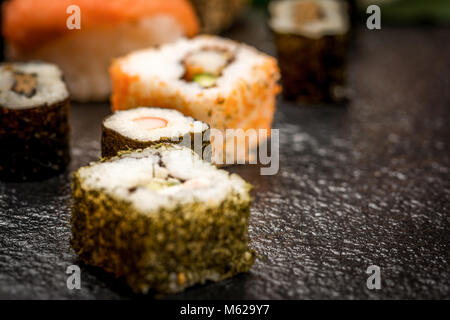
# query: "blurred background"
364 161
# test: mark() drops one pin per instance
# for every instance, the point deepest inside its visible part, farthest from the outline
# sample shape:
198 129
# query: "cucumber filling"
205 80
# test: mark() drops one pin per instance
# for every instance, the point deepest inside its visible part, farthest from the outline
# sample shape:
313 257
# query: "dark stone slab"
362 185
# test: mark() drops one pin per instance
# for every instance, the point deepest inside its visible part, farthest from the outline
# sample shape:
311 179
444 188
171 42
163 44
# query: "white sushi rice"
177 126
200 181
163 64
334 21
50 87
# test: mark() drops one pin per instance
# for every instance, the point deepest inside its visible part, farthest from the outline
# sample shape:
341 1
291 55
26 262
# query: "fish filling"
206 65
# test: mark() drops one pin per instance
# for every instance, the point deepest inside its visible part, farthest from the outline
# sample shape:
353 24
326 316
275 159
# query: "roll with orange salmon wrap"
39 30
221 82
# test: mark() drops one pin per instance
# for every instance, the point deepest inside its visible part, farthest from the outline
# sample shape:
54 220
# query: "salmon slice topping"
30 23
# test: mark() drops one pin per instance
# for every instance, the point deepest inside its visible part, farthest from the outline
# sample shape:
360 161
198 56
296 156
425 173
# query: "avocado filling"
205 80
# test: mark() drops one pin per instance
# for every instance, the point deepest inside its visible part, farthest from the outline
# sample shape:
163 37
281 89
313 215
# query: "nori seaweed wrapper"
34 142
113 142
313 70
162 251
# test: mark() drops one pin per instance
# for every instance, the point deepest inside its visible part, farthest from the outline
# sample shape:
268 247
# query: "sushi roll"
143 127
221 82
34 125
47 30
311 37
162 218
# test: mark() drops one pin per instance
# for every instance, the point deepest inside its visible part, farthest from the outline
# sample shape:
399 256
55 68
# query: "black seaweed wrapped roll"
34 126
311 37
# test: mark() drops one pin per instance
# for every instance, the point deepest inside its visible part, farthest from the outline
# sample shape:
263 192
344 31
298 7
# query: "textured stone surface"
367 184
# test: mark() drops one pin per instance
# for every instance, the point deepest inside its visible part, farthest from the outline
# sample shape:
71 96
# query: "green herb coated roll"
162 218
34 121
312 37
144 126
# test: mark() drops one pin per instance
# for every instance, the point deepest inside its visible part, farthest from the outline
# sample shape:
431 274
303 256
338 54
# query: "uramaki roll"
144 126
34 125
161 218
221 82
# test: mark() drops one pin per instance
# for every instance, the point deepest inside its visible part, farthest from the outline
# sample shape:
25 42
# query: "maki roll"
143 127
47 30
34 126
162 218
221 82
311 37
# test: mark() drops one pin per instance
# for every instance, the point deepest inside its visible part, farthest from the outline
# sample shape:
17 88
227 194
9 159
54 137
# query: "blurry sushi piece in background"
109 28
221 82
144 127
311 38
217 15
34 121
